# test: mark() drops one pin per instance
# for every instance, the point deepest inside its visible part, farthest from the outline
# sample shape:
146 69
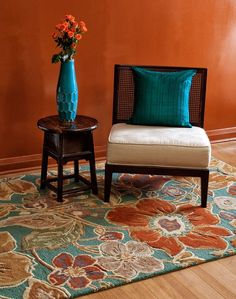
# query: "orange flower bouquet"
68 34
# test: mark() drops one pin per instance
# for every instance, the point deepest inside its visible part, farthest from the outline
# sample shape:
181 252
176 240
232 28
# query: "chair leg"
107 185
44 169
93 175
204 188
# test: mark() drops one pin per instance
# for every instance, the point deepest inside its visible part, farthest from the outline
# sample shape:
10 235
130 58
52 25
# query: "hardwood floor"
210 280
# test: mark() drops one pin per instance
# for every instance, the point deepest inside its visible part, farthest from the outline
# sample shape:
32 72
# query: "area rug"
152 225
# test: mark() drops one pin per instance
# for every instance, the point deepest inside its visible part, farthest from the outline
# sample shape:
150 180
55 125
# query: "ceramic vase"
67 92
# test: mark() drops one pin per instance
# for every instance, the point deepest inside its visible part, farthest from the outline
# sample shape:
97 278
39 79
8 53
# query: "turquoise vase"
67 92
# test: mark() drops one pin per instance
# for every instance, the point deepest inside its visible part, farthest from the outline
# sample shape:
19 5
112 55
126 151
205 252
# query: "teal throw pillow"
161 98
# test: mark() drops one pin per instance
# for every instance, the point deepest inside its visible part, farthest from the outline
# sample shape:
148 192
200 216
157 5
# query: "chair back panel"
124 92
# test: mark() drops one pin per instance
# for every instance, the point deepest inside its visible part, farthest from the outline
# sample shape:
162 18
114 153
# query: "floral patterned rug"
153 225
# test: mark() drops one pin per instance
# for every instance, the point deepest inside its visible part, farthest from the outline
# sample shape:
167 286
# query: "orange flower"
84 29
54 35
66 24
70 34
70 18
61 27
75 24
73 46
161 225
82 24
78 36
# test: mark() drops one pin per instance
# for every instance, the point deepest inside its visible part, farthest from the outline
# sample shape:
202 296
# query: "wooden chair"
126 157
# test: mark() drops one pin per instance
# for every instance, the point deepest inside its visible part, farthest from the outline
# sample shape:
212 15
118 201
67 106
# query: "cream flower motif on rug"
173 191
15 185
129 259
225 202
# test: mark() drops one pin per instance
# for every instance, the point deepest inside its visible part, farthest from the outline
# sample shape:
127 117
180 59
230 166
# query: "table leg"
76 170
44 169
60 181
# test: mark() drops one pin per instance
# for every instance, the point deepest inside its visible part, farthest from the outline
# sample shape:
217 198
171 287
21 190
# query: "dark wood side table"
68 142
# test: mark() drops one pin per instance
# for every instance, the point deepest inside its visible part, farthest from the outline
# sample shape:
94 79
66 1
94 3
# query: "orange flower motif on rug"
161 225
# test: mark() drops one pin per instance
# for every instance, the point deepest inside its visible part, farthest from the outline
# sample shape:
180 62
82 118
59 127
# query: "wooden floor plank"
183 290
224 286
229 263
222 275
197 285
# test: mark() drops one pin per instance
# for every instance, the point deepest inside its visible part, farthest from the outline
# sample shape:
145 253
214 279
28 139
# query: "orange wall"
157 32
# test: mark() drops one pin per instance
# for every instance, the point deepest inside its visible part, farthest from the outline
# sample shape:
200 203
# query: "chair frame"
125 90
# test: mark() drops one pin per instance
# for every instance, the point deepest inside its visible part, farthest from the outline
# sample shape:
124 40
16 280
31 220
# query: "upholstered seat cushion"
158 146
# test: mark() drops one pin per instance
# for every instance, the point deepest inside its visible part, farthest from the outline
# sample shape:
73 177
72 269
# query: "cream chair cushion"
158 146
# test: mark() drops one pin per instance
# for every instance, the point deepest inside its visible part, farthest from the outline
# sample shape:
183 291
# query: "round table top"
80 124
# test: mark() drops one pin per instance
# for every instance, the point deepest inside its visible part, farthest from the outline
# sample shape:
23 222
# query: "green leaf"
53 238
56 58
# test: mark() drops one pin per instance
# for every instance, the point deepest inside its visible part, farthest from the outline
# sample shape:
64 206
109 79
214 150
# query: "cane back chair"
123 103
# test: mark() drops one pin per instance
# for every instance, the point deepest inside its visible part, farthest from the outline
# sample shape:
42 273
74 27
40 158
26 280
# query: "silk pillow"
161 98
